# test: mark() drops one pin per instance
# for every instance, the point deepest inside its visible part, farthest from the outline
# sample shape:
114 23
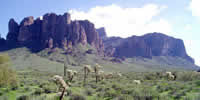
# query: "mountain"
148 45
51 31
52 40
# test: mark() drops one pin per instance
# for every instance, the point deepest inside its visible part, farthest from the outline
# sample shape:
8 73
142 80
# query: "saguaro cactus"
87 69
71 74
96 70
62 85
65 68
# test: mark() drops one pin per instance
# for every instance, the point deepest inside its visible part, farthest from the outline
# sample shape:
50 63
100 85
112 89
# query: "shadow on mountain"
34 47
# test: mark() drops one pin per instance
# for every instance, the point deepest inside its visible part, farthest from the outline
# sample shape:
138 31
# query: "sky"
124 18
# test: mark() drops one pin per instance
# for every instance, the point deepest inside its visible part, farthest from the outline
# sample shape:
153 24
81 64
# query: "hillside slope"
23 59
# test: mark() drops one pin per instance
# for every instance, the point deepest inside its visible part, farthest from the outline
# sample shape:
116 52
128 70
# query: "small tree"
7 76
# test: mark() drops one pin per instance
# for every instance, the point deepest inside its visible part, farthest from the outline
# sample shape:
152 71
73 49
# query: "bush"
26 89
116 87
1 93
94 86
7 75
38 91
144 94
77 97
120 98
88 92
14 87
187 76
23 97
69 92
111 94
4 97
99 89
49 88
197 83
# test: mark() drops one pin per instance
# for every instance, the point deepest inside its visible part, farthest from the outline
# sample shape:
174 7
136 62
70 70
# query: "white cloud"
197 61
194 6
192 52
125 22
188 27
41 17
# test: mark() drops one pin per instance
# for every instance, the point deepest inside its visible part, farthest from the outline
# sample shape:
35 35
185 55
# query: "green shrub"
77 97
120 98
7 75
1 93
197 83
49 88
26 89
4 97
69 92
38 91
23 97
144 93
110 93
94 86
88 92
187 76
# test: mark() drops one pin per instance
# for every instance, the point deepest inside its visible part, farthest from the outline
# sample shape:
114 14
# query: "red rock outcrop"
53 30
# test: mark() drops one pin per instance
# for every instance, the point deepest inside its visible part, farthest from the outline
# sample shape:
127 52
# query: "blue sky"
177 18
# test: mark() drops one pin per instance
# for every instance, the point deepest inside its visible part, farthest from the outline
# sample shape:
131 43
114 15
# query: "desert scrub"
88 92
49 88
111 93
116 87
8 77
77 97
120 98
23 97
4 97
38 91
197 83
188 76
144 93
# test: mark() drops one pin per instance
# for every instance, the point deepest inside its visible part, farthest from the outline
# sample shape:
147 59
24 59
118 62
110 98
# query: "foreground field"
37 85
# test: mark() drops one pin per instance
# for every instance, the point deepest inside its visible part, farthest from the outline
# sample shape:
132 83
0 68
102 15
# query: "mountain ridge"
147 45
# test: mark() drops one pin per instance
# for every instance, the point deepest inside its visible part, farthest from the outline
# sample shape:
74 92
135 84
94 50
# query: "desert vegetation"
39 85
8 77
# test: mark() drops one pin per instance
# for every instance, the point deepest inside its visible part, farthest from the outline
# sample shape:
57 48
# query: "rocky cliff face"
13 29
102 33
53 30
149 45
